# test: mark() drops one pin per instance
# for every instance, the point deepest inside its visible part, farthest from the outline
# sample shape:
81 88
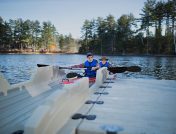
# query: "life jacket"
104 65
89 72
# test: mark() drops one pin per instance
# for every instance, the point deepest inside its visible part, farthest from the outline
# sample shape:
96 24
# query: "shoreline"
50 53
36 53
142 55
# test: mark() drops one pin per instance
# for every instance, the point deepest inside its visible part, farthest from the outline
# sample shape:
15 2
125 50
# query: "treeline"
152 33
32 36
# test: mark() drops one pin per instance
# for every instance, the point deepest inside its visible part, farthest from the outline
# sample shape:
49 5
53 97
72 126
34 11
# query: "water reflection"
18 68
159 67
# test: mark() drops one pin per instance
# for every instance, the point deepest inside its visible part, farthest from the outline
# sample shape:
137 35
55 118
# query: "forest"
32 36
154 32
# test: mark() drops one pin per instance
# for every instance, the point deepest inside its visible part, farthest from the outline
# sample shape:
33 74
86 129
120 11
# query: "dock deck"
123 106
131 106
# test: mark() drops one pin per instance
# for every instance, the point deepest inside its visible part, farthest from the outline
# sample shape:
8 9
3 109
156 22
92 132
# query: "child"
104 62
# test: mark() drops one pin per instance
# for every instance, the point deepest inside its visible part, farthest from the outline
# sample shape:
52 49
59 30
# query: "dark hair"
89 54
103 58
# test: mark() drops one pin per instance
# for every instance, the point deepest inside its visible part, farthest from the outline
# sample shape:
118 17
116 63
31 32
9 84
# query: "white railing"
38 83
101 76
4 85
59 107
43 76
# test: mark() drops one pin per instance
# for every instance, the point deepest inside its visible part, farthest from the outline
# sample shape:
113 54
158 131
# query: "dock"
110 106
130 106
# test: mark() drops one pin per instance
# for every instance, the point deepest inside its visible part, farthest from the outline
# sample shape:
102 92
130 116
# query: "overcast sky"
68 15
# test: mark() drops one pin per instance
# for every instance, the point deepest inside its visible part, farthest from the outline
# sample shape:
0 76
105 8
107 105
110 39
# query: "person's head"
103 59
90 57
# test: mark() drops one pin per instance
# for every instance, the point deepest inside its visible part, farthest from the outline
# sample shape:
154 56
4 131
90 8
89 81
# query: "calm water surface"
19 67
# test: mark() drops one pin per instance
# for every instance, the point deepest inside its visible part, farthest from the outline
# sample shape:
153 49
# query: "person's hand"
94 68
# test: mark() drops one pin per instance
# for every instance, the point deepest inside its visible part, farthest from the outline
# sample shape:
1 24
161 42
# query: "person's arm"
110 65
97 67
78 66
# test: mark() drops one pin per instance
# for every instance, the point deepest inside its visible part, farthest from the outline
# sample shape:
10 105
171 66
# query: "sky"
68 16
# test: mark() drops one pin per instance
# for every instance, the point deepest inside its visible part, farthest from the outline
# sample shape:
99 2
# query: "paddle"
123 69
111 69
70 68
42 65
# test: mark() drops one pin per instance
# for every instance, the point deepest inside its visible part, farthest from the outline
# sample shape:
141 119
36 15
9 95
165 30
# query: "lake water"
19 67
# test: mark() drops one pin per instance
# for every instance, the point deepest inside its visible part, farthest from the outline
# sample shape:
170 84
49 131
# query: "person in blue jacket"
104 62
91 66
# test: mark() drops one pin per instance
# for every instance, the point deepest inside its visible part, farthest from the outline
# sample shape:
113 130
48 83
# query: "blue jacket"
104 65
89 72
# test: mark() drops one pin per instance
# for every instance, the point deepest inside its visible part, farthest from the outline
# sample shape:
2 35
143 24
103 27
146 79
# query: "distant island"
152 33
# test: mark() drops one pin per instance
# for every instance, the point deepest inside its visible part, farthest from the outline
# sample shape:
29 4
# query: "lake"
19 67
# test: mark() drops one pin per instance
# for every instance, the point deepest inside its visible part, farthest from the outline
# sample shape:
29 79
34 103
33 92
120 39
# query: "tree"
18 33
147 18
7 38
101 33
27 39
36 34
48 34
111 32
169 34
158 14
86 31
124 31
1 31
173 18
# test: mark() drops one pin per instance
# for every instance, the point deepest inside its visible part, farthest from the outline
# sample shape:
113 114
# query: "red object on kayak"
92 79
67 82
70 81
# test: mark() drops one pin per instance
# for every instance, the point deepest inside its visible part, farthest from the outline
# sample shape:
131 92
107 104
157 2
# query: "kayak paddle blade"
42 65
123 69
